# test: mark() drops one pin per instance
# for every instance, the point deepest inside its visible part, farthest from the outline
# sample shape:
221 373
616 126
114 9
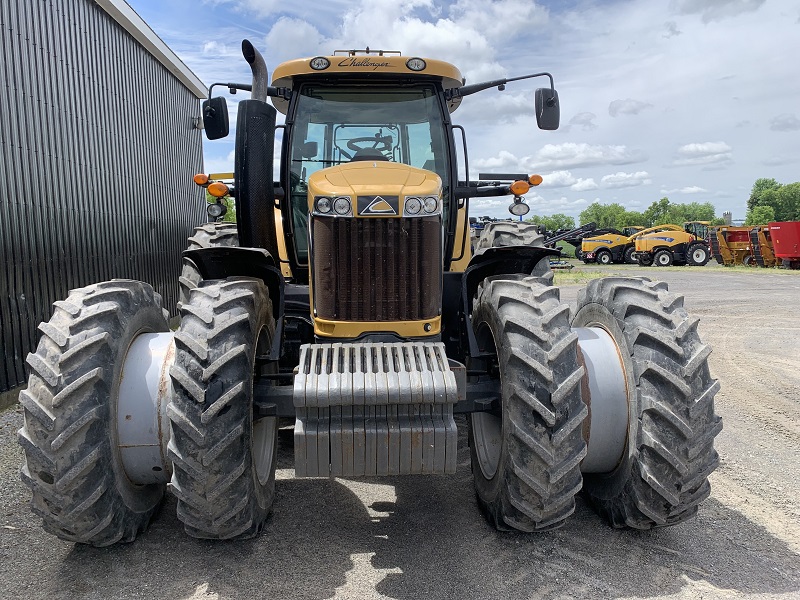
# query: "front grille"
377 269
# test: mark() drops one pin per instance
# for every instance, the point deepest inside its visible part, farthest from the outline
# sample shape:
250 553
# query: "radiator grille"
377 269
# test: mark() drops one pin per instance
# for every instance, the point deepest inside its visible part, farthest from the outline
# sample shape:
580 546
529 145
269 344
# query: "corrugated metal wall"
97 150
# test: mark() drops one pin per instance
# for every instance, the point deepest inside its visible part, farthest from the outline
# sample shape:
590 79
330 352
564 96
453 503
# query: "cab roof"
366 64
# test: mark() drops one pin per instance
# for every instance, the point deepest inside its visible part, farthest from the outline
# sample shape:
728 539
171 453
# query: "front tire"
223 459
645 259
663 475
526 460
663 258
72 462
604 258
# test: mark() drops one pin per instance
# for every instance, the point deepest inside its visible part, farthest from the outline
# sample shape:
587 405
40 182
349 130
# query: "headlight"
519 209
323 205
216 210
431 204
413 206
342 205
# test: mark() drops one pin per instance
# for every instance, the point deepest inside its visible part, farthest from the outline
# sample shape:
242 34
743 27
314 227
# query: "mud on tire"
663 475
528 482
72 463
210 235
223 460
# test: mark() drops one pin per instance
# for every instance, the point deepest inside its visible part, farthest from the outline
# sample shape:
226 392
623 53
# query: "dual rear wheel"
527 460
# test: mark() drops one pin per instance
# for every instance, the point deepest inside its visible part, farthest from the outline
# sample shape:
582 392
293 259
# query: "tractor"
350 305
665 245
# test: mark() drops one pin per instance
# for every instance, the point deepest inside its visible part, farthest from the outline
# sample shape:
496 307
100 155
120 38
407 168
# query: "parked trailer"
761 248
786 242
730 245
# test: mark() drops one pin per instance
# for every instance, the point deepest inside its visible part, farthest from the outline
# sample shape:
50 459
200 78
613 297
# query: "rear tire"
72 462
645 259
663 476
223 460
509 233
526 461
662 258
698 255
210 235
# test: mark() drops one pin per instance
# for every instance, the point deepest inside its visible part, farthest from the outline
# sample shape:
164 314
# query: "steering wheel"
379 143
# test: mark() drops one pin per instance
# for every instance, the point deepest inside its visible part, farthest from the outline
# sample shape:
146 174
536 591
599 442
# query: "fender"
222 262
502 260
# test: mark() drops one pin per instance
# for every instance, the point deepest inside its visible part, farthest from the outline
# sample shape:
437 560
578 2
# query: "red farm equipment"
786 242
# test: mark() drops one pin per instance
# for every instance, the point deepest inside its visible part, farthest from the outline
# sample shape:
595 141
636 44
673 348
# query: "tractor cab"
699 229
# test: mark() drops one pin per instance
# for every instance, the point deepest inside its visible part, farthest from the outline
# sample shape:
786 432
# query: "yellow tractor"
351 304
665 245
611 246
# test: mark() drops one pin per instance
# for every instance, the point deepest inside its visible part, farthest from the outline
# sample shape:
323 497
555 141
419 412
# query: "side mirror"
215 117
548 112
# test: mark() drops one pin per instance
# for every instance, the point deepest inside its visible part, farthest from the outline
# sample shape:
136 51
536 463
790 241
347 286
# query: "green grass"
564 277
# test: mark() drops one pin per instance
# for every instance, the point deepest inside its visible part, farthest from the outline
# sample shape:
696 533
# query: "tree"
757 192
760 215
553 222
657 212
789 202
632 217
605 215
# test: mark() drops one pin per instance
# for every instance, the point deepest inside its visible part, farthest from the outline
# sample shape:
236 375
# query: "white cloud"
716 10
582 155
562 179
584 120
672 29
290 38
691 189
219 164
561 156
583 185
785 122
629 106
701 154
622 180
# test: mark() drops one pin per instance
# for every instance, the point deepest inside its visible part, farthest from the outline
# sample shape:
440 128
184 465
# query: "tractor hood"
374 179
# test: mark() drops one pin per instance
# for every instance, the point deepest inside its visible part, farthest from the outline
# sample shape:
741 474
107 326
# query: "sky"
689 99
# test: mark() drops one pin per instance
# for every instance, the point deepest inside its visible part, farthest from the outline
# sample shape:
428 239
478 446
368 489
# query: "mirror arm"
466 90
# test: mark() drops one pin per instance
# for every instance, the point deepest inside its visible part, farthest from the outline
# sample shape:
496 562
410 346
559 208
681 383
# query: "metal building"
98 143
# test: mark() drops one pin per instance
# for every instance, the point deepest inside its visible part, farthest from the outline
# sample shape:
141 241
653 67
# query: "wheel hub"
606 394
142 423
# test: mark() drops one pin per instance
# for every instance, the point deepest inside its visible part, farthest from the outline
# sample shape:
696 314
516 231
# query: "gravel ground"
423 537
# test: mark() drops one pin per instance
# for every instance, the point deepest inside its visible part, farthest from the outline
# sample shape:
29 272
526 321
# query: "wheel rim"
663 260
604 259
487 431
487 428
698 255
141 413
264 432
265 429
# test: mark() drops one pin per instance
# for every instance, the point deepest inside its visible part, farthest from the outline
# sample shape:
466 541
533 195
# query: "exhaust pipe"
259 68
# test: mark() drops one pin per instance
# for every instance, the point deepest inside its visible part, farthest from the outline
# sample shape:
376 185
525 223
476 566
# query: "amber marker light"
535 179
201 179
520 187
218 189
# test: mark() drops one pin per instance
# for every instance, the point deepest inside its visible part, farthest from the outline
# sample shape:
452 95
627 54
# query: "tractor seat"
368 154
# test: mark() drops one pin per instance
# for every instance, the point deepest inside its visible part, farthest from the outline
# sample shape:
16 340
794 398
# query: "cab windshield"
339 124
